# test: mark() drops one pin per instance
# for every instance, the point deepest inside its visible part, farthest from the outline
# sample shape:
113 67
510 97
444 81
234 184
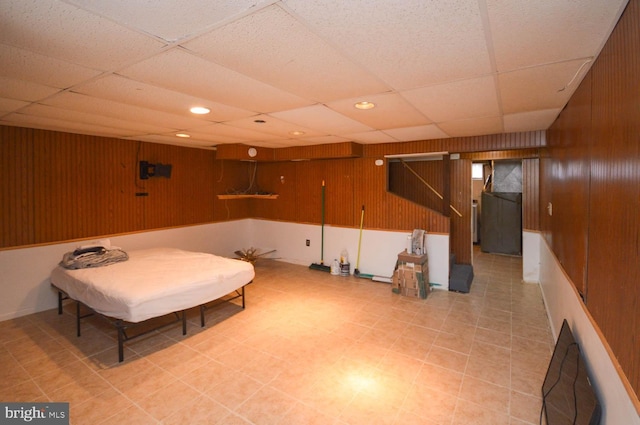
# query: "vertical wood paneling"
370 191
325 151
493 142
461 200
570 139
338 177
61 186
269 180
614 232
384 210
16 186
530 194
591 174
85 186
230 177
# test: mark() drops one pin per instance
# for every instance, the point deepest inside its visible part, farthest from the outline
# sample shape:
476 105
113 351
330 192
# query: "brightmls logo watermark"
34 413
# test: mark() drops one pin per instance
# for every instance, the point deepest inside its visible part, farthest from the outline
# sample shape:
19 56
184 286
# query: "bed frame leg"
78 318
243 297
59 302
202 316
184 322
120 341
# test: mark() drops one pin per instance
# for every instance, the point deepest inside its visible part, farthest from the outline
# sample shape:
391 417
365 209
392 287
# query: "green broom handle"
322 236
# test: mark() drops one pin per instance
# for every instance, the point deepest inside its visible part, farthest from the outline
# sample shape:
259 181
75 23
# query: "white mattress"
154 282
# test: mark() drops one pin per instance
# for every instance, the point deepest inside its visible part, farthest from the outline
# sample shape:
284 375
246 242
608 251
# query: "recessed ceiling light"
365 105
200 110
296 133
185 135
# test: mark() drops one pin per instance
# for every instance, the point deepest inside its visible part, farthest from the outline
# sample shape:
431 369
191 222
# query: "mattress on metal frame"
153 282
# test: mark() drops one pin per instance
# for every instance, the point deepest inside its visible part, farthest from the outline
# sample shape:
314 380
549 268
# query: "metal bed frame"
122 325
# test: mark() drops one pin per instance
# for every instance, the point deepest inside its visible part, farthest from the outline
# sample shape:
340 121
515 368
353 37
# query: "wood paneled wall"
613 275
349 184
568 167
493 142
96 179
591 174
59 186
461 200
530 194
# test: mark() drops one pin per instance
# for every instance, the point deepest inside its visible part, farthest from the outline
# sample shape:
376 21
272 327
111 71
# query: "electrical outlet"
308 242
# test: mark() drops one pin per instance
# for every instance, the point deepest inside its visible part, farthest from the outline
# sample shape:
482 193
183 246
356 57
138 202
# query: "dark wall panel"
568 148
461 201
530 194
232 177
591 175
61 186
614 231
17 205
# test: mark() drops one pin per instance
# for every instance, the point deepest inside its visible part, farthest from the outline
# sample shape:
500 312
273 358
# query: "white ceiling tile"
63 31
323 119
108 108
289 56
10 105
371 137
527 33
40 69
456 100
422 132
541 87
167 19
45 123
408 44
180 71
233 134
530 121
121 89
272 125
473 127
391 111
61 114
24 90
214 135
302 63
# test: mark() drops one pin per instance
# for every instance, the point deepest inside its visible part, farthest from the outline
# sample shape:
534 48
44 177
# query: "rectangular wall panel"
613 276
590 177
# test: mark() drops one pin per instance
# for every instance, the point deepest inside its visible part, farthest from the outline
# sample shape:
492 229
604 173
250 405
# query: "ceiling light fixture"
365 105
259 121
296 133
200 110
183 135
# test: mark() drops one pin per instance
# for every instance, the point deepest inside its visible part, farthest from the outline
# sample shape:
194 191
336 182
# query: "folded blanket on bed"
92 257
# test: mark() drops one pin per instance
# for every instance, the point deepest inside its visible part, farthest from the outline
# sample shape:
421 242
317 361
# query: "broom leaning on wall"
321 266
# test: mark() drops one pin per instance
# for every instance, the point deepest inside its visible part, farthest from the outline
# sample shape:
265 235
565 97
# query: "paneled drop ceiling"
288 73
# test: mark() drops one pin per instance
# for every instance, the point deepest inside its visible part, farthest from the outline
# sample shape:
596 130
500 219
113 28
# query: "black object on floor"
461 278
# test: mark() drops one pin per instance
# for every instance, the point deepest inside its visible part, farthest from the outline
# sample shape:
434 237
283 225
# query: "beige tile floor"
310 348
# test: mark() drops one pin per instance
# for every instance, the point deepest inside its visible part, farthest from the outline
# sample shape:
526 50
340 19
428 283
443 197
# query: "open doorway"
497 206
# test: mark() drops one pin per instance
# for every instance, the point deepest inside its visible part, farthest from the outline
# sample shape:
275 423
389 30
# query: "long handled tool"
356 272
315 266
